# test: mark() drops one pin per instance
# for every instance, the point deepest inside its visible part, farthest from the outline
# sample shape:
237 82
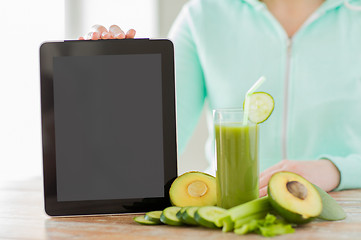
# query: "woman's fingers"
106 35
95 36
130 33
97 32
100 29
100 32
267 174
279 165
91 36
263 182
263 192
116 32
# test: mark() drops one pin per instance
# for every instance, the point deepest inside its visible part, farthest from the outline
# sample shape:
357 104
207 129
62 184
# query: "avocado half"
294 198
193 189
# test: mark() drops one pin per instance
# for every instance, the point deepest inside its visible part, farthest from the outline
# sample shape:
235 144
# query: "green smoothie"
237 163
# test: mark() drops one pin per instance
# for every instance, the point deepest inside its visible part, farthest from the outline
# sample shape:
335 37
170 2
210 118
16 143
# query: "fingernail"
105 35
96 36
119 35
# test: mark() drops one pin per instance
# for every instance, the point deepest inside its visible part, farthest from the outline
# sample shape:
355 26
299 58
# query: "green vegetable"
331 210
242 230
251 207
205 216
261 106
228 224
244 210
143 221
180 213
153 216
249 218
188 216
247 228
269 226
276 229
169 217
269 219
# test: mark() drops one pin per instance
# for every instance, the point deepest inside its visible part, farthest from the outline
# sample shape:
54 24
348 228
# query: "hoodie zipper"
312 18
285 102
286 85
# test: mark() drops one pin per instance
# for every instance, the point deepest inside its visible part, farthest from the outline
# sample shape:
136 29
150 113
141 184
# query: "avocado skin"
286 214
331 210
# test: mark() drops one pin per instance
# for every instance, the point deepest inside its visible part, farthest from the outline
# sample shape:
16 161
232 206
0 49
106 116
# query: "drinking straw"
246 100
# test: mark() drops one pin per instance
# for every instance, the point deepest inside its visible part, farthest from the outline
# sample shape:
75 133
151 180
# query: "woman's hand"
100 32
320 172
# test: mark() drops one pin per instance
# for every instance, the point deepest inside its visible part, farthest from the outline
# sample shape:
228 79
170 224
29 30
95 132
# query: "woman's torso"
315 77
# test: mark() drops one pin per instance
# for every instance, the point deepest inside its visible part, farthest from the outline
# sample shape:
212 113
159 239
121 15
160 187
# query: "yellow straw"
256 85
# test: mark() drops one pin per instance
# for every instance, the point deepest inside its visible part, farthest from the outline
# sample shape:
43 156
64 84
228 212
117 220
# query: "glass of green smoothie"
236 153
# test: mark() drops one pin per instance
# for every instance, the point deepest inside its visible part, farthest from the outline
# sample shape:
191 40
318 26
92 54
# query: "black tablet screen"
108 118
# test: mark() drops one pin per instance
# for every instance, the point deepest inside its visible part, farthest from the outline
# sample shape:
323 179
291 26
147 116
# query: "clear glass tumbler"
236 153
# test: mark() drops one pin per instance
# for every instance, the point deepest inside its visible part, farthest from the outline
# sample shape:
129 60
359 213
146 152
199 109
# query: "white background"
26 24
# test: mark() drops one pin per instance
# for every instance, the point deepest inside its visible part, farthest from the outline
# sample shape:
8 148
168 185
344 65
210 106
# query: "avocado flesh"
294 198
193 189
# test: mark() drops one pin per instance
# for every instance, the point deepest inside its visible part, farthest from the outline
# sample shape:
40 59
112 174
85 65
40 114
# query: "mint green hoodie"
223 46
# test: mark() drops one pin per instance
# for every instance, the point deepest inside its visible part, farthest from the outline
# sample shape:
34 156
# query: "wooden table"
22 217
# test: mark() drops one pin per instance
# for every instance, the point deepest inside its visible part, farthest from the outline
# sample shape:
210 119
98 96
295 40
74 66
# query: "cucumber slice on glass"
153 216
169 216
143 221
206 216
261 106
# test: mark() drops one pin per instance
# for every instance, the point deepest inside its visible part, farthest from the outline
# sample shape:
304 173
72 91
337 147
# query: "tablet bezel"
48 51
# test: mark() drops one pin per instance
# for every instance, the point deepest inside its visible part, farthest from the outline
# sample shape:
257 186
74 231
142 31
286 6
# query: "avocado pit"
197 189
297 189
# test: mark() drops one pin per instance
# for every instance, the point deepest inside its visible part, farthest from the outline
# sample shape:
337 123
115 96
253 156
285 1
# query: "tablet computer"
108 126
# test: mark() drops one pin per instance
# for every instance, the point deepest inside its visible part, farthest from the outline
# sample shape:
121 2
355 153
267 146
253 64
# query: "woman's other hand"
100 32
321 172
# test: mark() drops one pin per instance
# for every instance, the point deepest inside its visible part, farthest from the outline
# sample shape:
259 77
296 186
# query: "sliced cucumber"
205 216
261 106
169 216
153 216
143 221
188 216
180 213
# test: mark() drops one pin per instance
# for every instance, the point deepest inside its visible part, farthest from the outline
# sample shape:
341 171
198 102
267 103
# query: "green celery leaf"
276 229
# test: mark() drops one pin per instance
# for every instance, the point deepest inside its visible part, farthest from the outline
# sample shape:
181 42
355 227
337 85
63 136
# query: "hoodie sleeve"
190 86
350 170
